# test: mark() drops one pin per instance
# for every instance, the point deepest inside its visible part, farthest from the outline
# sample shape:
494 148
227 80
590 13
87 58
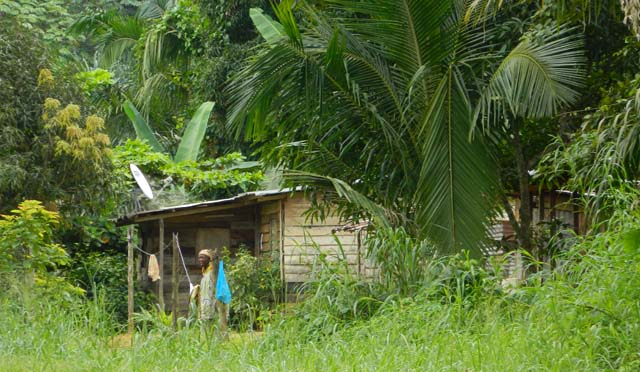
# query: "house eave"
240 200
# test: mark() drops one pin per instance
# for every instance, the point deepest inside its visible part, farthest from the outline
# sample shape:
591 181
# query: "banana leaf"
269 29
143 131
194 134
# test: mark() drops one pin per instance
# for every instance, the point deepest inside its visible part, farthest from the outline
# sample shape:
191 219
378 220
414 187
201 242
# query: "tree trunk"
526 212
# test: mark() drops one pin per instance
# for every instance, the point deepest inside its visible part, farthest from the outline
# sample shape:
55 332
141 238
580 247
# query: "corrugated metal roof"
131 218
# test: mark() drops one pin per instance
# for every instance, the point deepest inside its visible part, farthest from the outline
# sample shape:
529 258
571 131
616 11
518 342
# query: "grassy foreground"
584 317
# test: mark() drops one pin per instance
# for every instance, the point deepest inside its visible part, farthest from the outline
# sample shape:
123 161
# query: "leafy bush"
255 284
105 274
26 240
403 260
409 266
183 181
29 255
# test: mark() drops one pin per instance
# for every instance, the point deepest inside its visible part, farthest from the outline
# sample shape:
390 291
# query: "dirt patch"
121 341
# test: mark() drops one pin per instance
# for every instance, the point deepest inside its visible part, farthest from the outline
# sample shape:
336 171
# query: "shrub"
29 255
105 274
26 239
255 284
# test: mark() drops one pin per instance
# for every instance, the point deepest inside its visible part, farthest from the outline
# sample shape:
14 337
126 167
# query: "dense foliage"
389 115
423 123
583 316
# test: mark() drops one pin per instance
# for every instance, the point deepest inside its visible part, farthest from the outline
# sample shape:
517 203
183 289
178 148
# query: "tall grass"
584 316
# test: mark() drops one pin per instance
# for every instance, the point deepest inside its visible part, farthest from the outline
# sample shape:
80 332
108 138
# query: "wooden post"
541 206
257 236
576 215
161 264
281 248
174 282
130 278
359 252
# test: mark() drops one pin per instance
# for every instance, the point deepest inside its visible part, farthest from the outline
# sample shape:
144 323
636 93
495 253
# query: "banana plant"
192 137
269 29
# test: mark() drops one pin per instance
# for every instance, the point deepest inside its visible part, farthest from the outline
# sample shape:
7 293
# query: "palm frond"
477 11
380 103
116 35
114 51
456 185
380 216
153 51
540 75
156 88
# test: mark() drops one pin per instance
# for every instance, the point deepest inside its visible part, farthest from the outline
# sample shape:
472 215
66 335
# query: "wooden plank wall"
269 232
304 241
269 227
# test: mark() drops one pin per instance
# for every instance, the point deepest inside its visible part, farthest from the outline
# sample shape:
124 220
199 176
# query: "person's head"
205 256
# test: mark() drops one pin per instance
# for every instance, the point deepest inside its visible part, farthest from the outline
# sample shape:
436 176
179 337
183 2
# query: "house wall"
273 227
303 241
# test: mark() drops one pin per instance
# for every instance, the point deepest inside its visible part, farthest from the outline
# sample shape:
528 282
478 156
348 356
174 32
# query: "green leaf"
539 76
269 29
143 131
245 165
194 134
453 212
631 241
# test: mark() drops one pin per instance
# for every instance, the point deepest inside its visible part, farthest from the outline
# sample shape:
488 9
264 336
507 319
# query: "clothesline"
184 265
149 254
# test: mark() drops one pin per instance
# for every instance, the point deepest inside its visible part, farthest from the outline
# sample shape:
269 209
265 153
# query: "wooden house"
270 224
554 212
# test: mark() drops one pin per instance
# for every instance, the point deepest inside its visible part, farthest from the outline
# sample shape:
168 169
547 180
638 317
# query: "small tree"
26 241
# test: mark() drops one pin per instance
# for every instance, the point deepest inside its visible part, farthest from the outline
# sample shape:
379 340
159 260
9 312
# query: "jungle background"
423 118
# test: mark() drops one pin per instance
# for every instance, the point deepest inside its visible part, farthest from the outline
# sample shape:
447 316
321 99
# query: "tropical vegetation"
423 120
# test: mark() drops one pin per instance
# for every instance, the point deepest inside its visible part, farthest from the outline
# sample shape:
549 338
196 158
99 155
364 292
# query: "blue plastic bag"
223 293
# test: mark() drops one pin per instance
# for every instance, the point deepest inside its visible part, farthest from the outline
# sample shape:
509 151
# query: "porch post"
161 263
174 285
130 278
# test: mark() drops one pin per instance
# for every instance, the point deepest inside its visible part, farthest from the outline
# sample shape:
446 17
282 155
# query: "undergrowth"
585 315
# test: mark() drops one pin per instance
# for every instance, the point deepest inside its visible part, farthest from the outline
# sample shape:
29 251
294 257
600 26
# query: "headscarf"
206 252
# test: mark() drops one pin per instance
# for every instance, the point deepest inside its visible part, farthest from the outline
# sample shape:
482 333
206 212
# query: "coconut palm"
381 99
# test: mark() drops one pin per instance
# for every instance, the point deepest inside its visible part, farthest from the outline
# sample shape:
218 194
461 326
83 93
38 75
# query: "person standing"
203 296
205 292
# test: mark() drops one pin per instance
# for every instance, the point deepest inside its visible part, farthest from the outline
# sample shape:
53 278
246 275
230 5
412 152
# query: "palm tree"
383 98
143 56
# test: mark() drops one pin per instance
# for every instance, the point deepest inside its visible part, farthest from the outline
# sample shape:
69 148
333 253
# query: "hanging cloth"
223 293
154 269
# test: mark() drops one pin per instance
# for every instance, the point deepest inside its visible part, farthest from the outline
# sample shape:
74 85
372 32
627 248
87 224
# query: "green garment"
206 295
